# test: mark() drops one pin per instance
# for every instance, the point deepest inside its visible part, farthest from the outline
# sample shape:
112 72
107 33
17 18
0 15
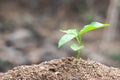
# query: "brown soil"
63 69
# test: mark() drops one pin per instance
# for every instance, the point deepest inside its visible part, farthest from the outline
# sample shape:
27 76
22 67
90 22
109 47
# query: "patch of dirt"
63 69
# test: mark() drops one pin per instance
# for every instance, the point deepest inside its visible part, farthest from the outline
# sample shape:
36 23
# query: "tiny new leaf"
71 31
75 47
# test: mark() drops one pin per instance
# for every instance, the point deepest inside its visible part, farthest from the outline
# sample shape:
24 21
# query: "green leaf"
92 26
65 39
71 31
75 47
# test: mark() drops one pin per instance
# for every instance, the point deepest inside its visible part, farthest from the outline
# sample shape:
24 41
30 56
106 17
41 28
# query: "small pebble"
42 67
75 79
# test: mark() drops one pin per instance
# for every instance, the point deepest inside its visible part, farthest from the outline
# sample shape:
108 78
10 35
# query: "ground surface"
63 69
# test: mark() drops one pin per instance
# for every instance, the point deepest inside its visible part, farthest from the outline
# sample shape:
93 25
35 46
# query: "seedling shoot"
71 34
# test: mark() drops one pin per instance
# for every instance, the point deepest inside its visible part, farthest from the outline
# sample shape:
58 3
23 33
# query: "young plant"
77 35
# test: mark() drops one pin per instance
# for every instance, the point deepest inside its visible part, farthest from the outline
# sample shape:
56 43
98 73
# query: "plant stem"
78 39
78 55
80 43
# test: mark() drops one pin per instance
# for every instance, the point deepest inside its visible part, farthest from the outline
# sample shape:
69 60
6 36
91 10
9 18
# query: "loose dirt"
63 69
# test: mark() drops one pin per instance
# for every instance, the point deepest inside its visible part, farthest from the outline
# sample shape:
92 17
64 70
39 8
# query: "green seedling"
77 35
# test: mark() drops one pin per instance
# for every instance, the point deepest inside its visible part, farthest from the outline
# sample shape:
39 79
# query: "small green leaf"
92 26
71 31
65 39
75 47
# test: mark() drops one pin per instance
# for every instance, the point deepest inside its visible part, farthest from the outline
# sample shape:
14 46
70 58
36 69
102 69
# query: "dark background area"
29 30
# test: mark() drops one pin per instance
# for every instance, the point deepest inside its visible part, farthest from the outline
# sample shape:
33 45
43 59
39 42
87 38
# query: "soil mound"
63 69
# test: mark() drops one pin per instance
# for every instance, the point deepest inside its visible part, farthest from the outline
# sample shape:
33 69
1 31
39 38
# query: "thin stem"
78 39
80 43
78 55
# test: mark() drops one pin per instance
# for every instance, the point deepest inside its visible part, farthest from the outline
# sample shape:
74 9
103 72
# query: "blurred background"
29 30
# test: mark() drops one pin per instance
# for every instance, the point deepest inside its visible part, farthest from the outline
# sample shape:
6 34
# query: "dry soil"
63 69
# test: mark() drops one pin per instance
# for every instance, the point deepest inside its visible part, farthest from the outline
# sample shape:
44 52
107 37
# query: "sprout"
77 35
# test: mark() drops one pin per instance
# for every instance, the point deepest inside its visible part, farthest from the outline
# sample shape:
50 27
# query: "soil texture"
63 69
